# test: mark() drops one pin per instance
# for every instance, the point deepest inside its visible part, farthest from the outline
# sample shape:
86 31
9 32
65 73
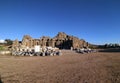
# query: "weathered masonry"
61 40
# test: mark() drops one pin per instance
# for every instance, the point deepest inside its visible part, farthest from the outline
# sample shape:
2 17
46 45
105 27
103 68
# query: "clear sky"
96 21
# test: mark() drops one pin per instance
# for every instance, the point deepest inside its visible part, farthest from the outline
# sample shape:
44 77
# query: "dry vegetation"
101 67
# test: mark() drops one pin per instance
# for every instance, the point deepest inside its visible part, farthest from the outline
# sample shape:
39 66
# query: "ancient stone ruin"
46 46
61 41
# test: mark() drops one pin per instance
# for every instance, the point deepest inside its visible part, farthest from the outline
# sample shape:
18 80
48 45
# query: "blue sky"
96 21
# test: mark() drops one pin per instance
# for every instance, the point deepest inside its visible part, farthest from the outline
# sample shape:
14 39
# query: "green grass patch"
2 48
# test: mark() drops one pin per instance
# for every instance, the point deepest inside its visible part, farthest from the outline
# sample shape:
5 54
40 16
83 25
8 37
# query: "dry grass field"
71 67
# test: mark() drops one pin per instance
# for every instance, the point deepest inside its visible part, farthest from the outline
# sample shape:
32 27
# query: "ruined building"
61 40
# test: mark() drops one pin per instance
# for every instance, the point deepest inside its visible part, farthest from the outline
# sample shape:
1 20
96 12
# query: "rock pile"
48 51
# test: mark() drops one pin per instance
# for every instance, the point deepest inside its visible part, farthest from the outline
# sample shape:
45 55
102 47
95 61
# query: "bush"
1 48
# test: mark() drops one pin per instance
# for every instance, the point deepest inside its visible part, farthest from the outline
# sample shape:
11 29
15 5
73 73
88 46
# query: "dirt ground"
71 67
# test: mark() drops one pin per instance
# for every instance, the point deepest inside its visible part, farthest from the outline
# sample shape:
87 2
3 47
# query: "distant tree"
116 45
9 41
106 45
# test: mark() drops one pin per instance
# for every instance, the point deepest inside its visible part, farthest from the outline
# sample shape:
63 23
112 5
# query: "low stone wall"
5 52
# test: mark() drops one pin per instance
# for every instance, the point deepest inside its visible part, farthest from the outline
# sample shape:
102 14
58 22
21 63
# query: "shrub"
1 48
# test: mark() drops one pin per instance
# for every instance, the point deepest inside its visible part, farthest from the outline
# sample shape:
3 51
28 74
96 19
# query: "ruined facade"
61 40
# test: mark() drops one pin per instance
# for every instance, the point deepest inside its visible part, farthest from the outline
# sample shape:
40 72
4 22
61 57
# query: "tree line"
110 45
7 42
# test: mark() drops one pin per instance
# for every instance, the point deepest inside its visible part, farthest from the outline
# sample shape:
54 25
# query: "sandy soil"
71 67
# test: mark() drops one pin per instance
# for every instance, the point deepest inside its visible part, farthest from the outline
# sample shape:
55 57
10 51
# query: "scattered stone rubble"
47 51
85 50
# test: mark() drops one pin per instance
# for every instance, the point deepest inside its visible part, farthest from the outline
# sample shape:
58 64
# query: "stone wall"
61 40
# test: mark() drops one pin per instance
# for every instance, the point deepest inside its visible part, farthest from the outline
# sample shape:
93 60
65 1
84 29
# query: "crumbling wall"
61 40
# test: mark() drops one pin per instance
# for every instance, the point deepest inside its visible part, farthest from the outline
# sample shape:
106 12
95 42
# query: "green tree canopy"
9 41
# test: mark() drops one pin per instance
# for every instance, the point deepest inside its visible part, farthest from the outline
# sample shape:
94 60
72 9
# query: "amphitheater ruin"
60 41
